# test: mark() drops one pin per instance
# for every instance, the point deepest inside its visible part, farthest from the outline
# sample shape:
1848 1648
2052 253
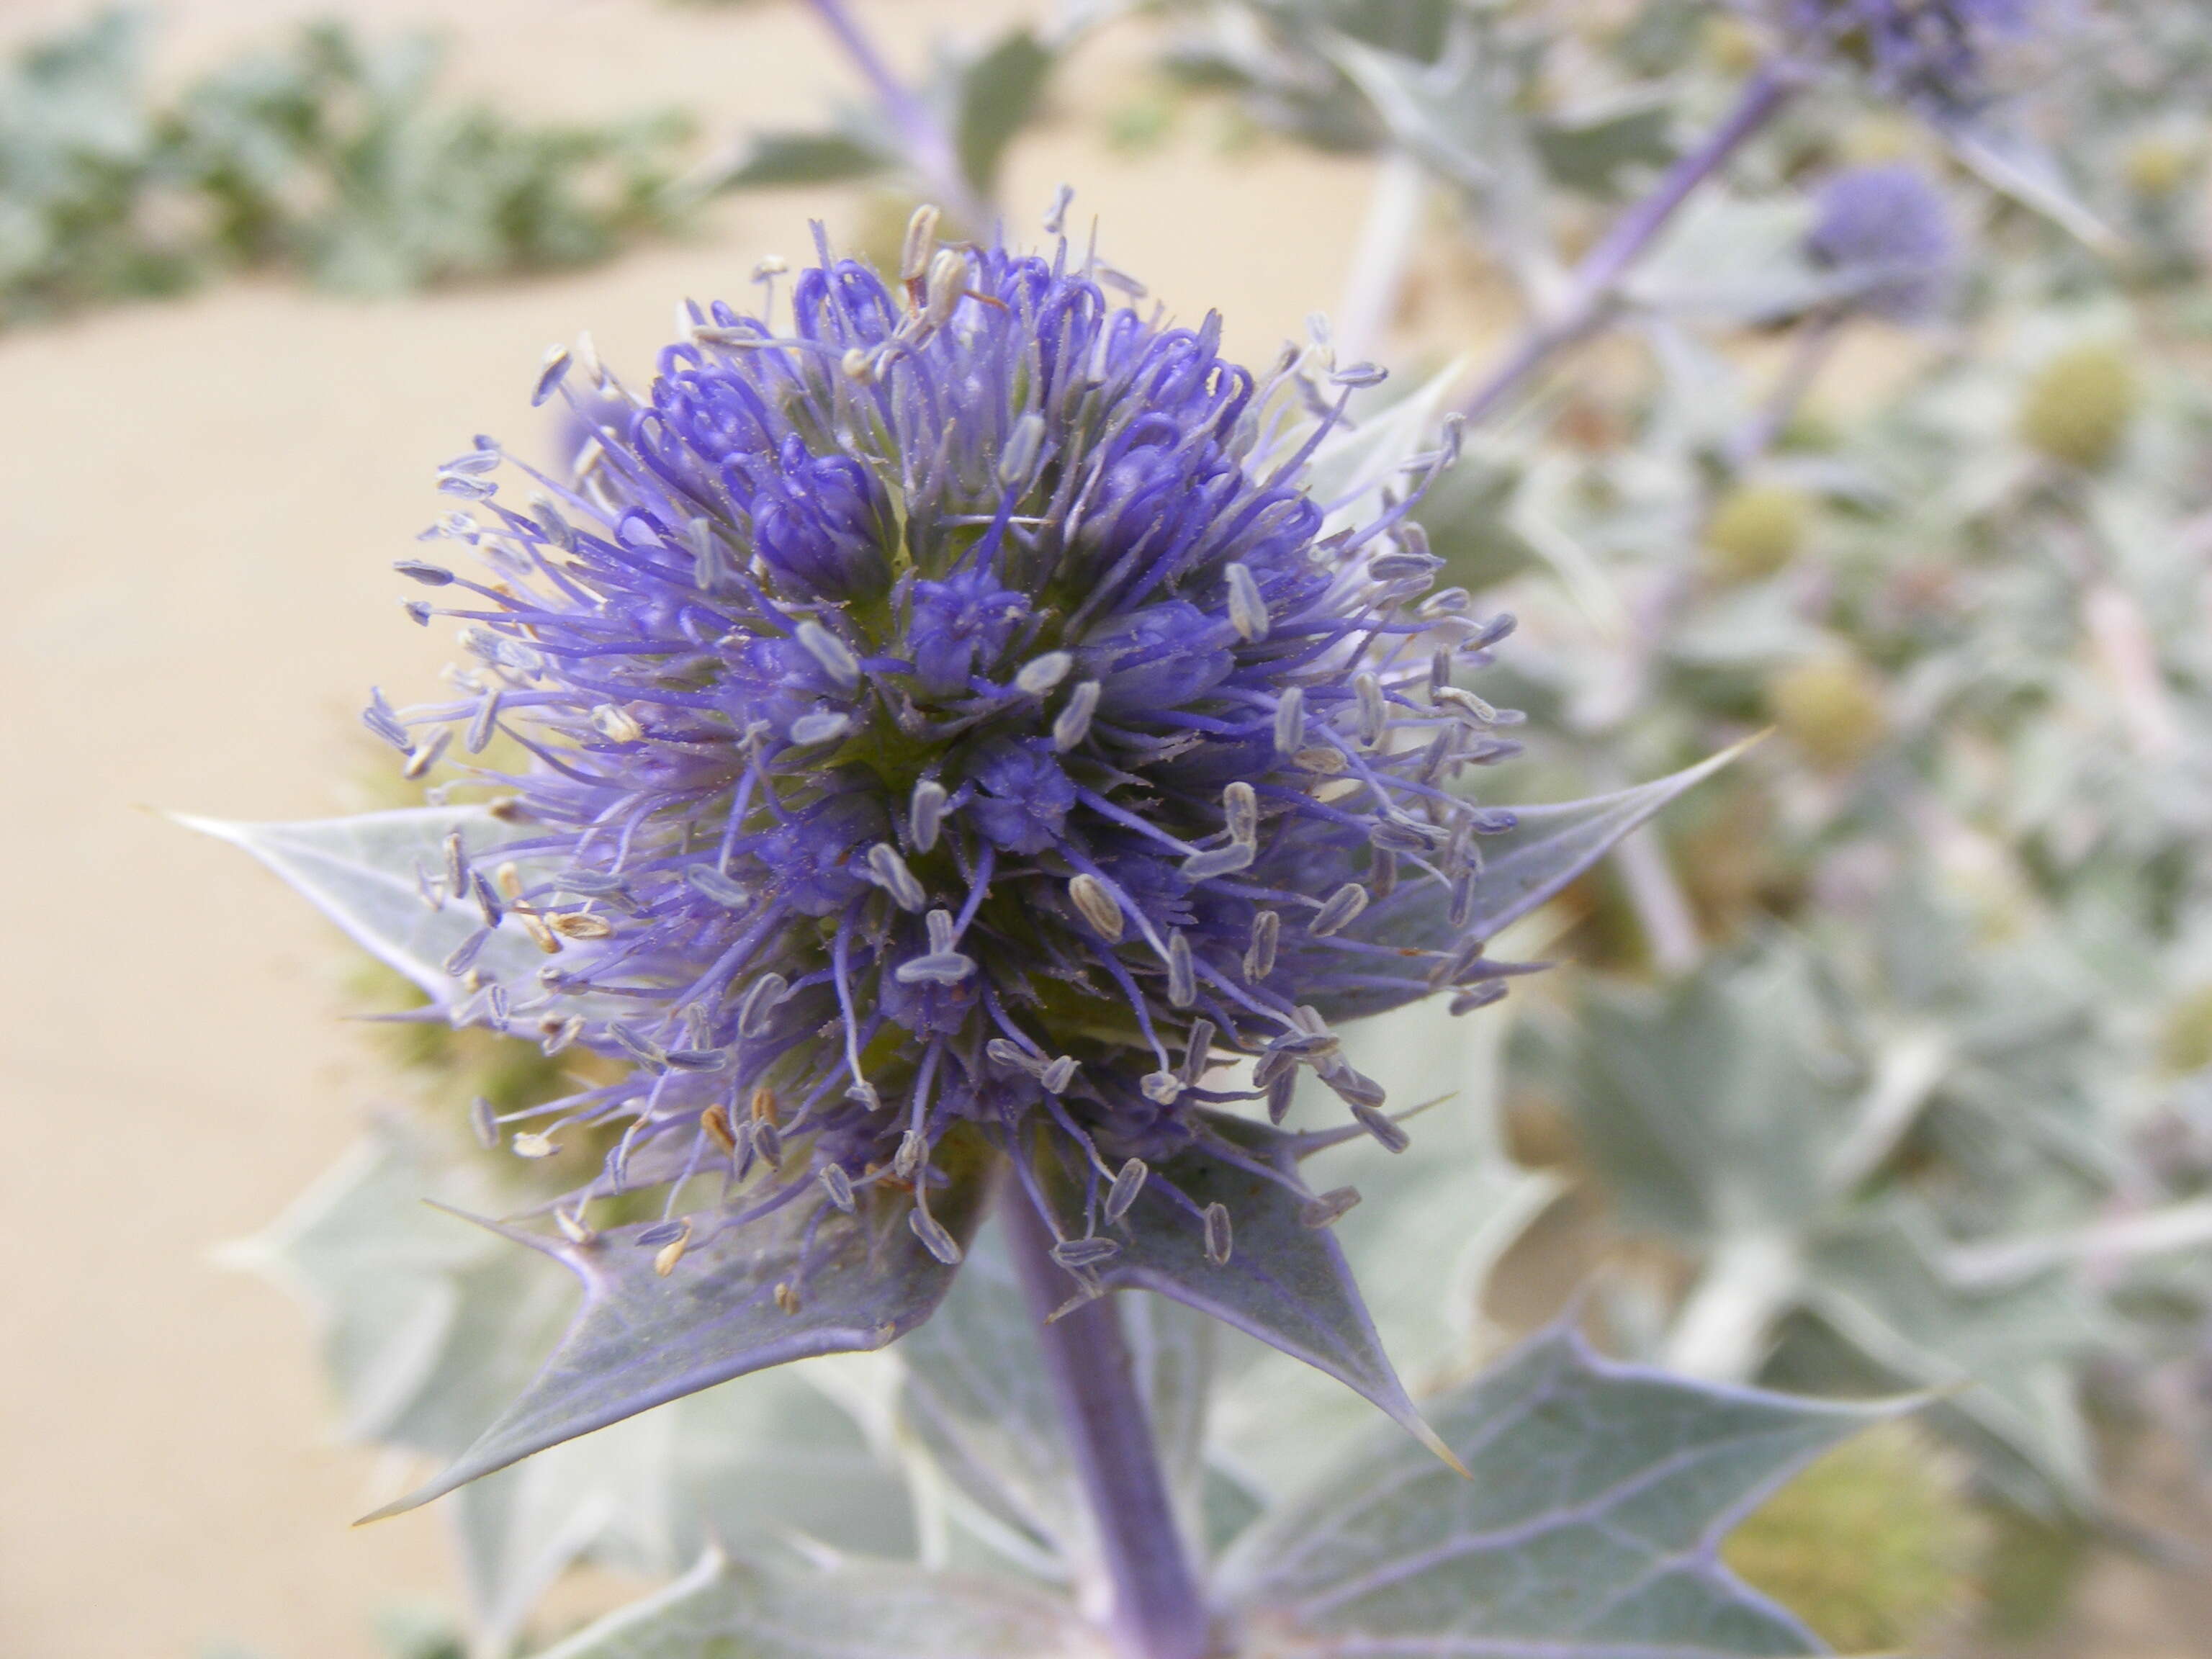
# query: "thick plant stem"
1590 291
1159 1611
929 147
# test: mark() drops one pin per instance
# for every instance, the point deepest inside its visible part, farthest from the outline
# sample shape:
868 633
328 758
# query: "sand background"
199 501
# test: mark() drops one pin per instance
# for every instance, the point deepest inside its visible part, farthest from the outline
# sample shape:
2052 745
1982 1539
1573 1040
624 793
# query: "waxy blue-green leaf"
1591 151
367 874
854 1609
2003 1355
1590 1529
1421 1243
1550 846
1455 114
978 1397
1547 847
642 1337
996 94
1711 1109
758 1459
1729 259
429 1328
420 1320
1284 1283
768 159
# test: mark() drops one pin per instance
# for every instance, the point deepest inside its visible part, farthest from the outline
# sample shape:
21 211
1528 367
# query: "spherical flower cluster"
1887 232
952 709
1933 54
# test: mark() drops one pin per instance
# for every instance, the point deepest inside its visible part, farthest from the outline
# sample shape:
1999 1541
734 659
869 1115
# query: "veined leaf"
1420 1243
1547 847
851 1610
1284 1283
1550 846
2004 1354
366 874
642 1337
1452 113
1590 1529
1714 1109
429 1328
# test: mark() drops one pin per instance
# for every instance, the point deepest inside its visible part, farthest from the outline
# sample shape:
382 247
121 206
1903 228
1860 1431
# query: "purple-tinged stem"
929 147
1590 291
1815 341
1159 1612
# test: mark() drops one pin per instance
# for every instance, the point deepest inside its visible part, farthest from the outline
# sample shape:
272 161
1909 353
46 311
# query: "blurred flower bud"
2077 407
1831 708
2156 165
1756 529
2184 1037
1875 1545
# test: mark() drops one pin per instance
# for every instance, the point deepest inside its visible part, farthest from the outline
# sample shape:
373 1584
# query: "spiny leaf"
2004 1353
1714 1109
1547 847
852 1610
1589 1530
1451 114
1285 1282
750 1460
1420 1243
1550 846
428 1328
642 1337
366 874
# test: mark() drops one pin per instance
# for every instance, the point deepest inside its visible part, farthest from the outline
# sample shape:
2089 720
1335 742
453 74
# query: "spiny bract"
951 708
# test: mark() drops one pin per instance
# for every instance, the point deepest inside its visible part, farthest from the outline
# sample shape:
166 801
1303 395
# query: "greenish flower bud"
1873 1547
2077 407
2155 166
1756 529
1831 708
2184 1038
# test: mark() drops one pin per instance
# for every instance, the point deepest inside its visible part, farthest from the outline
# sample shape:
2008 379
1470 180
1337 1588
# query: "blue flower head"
1887 232
955 724
976 745
1934 55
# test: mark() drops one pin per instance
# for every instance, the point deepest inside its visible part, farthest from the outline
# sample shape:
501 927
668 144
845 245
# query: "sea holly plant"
955 752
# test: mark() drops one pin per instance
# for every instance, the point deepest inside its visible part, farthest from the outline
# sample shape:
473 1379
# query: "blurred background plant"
336 156
1886 1060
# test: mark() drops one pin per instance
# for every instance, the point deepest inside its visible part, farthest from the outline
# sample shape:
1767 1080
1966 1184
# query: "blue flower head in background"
965 723
1934 55
1887 231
